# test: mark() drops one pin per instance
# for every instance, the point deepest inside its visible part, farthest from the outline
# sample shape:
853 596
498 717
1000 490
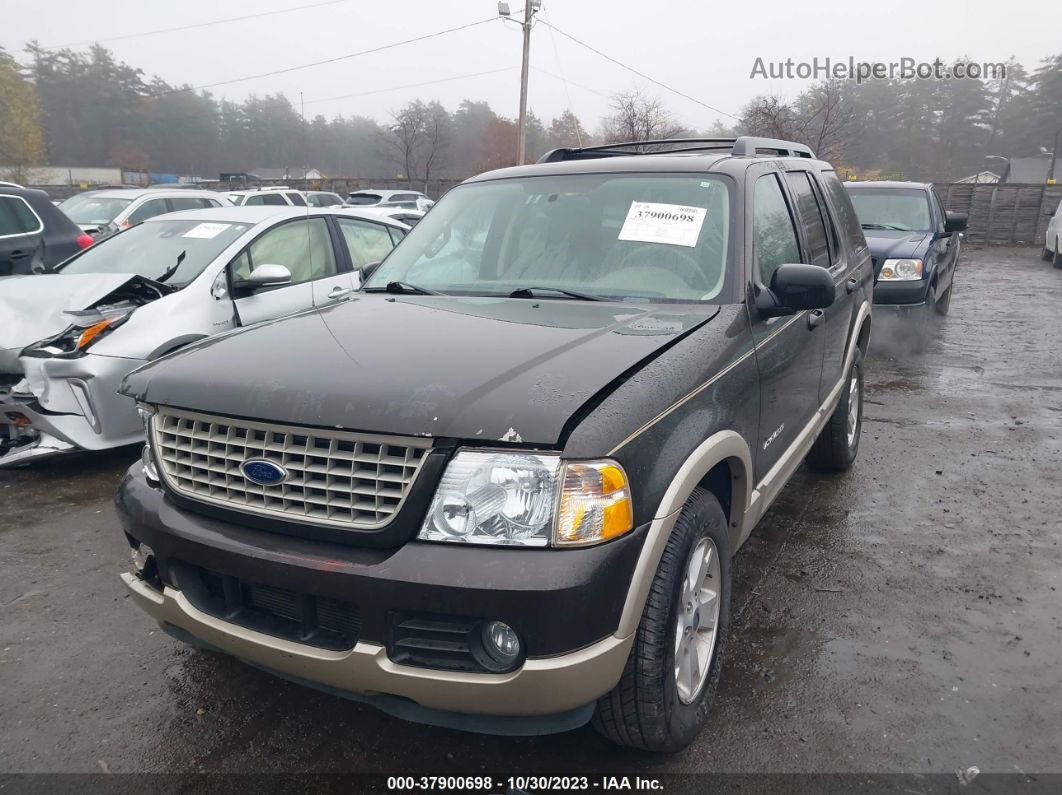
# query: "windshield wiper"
403 287
529 292
172 269
886 226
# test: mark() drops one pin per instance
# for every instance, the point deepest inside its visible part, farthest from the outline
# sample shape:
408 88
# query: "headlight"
147 455
528 500
901 270
86 329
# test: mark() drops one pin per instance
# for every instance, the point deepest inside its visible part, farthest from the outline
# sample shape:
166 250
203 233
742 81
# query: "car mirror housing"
263 277
954 222
796 286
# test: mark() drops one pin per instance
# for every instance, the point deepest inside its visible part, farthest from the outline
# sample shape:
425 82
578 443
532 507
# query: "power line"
327 60
642 75
192 27
412 85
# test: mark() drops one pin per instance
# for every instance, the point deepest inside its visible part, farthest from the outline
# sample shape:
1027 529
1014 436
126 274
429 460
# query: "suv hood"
32 306
886 244
491 369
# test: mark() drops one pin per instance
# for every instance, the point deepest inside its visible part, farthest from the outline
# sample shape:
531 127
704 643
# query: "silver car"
100 213
70 337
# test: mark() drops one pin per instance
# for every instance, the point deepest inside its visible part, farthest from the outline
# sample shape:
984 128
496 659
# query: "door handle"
19 254
339 292
851 284
815 318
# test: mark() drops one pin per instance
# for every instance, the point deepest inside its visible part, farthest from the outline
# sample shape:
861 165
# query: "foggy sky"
704 49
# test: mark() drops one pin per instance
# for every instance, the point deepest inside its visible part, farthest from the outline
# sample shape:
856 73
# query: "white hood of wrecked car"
32 307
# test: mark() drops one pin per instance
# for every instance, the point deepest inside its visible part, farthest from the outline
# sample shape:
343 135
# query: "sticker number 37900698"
675 224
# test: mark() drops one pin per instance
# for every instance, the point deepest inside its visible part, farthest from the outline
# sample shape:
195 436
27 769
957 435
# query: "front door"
789 350
303 246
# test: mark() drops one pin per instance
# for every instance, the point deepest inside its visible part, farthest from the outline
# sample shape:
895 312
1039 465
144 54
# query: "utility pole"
522 135
1054 157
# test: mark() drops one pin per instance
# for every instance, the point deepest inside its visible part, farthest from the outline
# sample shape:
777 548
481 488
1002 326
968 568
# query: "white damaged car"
68 338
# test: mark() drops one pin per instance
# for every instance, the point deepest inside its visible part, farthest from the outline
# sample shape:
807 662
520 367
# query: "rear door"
21 237
306 247
789 349
822 246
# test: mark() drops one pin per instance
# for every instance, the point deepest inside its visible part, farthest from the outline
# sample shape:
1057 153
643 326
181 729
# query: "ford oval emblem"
263 472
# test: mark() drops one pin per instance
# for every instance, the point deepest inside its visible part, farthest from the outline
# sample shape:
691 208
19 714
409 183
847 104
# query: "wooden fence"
1016 214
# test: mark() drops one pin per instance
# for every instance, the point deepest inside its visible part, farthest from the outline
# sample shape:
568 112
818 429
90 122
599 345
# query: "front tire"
1056 260
943 304
1046 255
662 699
838 442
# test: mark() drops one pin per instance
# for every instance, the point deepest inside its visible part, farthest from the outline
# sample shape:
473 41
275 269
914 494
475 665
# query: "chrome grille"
334 477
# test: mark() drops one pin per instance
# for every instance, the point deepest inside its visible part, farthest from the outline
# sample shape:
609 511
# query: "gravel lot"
903 617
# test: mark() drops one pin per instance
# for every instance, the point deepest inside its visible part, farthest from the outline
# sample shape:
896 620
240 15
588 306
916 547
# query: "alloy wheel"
697 620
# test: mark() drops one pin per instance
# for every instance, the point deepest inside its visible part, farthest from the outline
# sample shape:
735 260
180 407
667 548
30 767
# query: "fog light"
501 643
147 458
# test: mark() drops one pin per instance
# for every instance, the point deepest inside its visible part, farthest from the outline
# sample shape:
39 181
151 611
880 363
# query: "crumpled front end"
52 406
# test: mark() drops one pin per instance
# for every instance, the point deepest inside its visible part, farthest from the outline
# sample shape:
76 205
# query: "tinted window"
843 211
16 217
811 218
941 213
303 247
296 199
266 198
366 241
363 198
191 203
774 237
619 236
148 209
396 198
151 248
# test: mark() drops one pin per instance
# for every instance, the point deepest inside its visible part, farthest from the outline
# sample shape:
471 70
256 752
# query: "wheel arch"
722 465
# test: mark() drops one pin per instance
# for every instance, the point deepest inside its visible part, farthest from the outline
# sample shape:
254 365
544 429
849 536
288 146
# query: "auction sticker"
674 224
206 231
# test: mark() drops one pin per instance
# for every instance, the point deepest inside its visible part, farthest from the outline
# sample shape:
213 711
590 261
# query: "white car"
408 217
276 196
101 213
1053 239
70 337
403 199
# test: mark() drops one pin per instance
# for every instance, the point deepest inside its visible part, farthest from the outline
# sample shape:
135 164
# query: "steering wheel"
688 269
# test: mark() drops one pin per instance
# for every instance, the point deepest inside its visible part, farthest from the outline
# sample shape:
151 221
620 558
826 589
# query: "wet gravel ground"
902 617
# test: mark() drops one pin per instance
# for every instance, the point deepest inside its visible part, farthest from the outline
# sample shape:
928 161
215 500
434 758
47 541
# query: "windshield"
153 248
616 236
89 209
905 210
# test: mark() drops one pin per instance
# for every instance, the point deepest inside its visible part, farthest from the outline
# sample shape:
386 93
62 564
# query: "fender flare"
724 446
171 345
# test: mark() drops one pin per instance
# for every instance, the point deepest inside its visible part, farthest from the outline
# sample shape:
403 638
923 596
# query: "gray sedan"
71 336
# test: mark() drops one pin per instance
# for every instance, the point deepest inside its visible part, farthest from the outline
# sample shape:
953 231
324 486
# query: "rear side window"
296 199
17 217
366 241
811 218
266 198
843 211
402 197
773 234
191 203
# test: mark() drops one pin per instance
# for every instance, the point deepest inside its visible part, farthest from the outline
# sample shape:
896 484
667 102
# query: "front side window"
303 247
296 199
774 236
153 248
644 237
367 242
265 198
148 209
90 210
895 209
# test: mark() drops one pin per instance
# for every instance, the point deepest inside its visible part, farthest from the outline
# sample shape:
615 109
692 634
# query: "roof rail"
742 146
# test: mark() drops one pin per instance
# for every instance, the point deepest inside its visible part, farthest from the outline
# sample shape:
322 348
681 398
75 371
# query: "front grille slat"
334 477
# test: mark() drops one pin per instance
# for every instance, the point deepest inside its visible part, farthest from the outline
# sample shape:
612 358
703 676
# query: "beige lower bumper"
543 686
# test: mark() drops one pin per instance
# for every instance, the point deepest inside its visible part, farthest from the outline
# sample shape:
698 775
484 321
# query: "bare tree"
436 140
417 139
820 117
638 117
770 117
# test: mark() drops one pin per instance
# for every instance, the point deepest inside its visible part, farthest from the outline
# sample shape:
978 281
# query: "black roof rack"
742 146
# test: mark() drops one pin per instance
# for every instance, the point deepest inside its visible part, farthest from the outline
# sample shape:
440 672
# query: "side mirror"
368 270
261 278
796 287
954 222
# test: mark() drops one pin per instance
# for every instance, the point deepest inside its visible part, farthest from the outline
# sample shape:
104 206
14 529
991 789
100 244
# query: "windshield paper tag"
673 224
207 231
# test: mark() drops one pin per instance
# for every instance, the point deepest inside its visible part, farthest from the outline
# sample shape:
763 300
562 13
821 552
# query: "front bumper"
912 293
69 404
565 604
